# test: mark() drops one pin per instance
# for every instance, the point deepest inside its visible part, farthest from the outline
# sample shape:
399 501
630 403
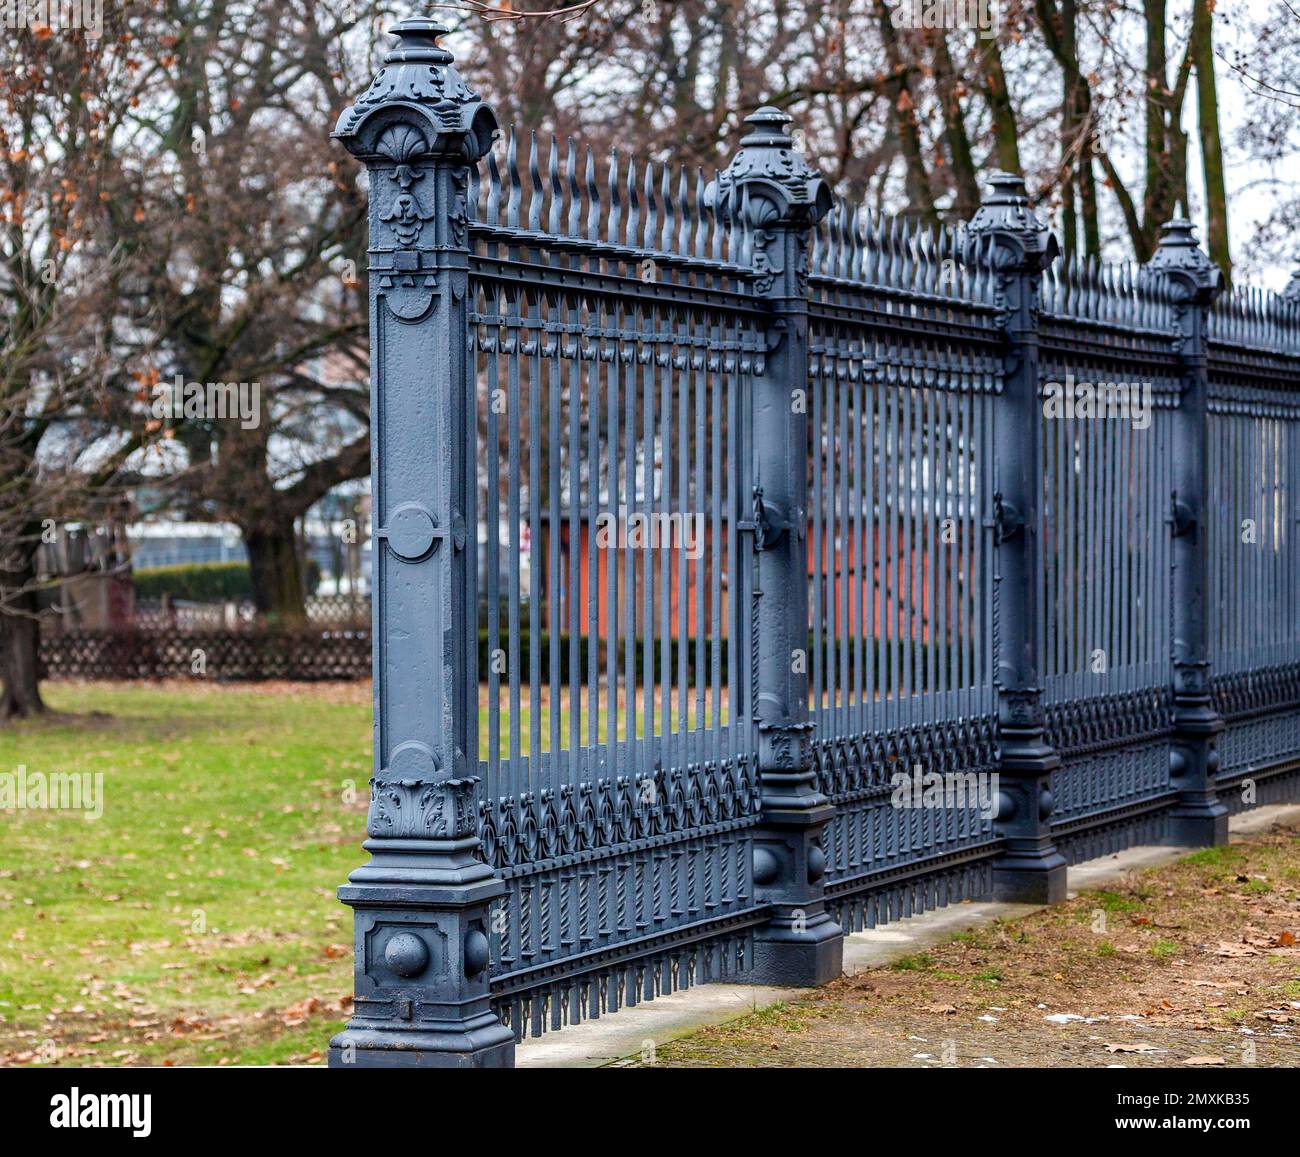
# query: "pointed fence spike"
857 245
668 216
894 274
512 170
843 255
535 183
907 270
575 189
615 217
684 213
473 192
556 190
633 206
651 208
701 217
593 199
818 253
716 227
493 208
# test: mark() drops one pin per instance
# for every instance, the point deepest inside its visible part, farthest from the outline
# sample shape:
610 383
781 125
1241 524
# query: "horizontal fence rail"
752 568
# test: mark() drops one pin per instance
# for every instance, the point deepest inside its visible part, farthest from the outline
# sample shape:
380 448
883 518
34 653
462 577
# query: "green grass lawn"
195 920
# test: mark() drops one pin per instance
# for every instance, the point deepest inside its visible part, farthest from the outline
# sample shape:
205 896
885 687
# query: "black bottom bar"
306 1106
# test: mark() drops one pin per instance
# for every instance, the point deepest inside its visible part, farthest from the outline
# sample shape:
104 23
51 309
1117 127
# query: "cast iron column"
1006 233
1198 818
770 198
421 903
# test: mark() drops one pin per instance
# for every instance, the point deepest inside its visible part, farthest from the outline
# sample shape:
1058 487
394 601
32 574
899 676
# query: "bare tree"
64 411
246 236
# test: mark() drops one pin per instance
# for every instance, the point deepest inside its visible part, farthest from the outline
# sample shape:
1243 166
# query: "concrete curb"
631 1030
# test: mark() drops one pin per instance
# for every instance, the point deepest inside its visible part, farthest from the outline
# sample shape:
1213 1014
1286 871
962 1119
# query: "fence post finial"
1198 817
422 903
769 197
1180 258
1017 245
417 90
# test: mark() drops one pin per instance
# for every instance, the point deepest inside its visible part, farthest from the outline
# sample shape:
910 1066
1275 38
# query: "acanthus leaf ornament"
428 808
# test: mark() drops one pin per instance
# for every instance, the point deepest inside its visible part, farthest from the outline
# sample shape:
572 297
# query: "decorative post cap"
1179 256
1006 219
777 180
418 88
1292 291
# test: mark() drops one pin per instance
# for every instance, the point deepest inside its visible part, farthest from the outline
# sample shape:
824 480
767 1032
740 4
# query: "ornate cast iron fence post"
422 902
1198 818
771 198
1007 234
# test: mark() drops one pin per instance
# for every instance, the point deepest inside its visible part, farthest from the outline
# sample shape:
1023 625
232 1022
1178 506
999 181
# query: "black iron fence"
304 654
222 641
836 569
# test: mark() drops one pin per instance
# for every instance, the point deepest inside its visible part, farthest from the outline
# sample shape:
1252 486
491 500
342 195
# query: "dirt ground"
1195 963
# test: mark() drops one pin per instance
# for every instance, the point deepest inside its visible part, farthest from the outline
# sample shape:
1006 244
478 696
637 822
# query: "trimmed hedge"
206 582
202 582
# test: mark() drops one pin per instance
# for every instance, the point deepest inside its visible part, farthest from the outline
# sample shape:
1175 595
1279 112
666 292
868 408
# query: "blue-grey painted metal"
738 521
616 343
1197 817
773 198
905 371
422 902
1254 541
1020 246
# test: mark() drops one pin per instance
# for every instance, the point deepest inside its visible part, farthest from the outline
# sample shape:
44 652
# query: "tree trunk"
1155 199
276 573
965 179
920 197
1088 205
1207 109
1070 125
1006 134
20 642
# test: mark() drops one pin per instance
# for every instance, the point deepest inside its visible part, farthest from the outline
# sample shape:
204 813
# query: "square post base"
1205 828
490 1047
791 959
1030 881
